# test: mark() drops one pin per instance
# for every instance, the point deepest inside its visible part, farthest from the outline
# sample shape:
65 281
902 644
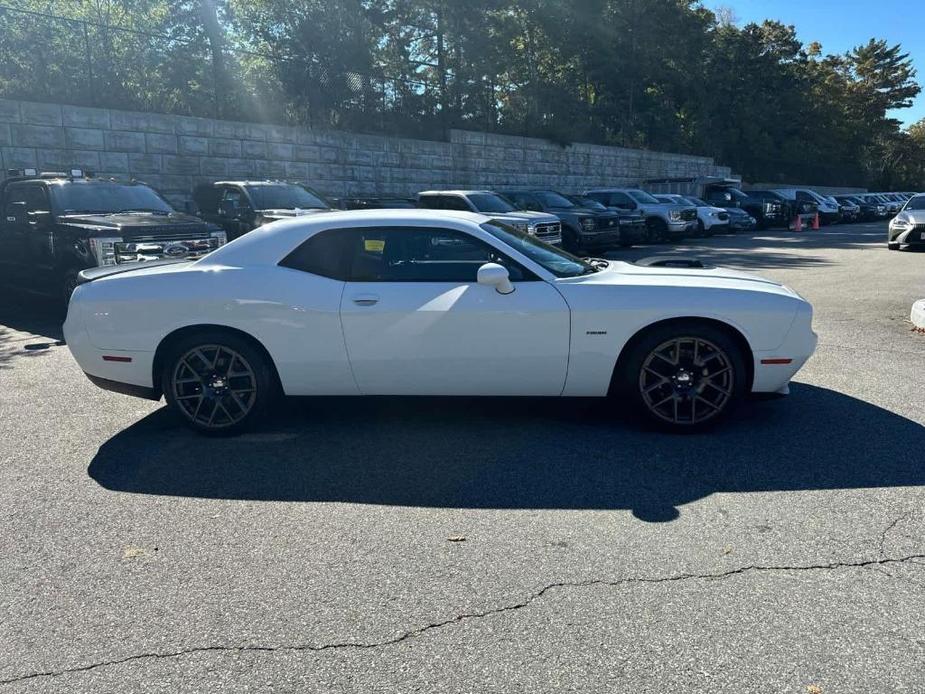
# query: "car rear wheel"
217 382
684 377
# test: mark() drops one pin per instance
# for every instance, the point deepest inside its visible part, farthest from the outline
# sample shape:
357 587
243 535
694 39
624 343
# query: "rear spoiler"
95 273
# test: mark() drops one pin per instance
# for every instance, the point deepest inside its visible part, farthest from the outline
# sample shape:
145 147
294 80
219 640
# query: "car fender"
602 326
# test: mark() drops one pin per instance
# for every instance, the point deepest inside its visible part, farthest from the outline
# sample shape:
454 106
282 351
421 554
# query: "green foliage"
660 74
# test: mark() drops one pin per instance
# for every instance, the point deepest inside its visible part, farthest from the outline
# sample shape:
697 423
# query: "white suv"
546 227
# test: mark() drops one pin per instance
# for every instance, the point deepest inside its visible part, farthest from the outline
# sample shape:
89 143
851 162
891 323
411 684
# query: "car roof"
255 183
455 192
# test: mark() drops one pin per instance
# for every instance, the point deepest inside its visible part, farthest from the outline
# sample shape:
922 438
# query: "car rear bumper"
129 370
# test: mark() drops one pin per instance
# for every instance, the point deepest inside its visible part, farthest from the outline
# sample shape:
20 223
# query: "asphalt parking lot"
482 546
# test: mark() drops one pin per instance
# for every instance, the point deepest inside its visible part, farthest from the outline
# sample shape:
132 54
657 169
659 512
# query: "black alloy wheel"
684 378
218 384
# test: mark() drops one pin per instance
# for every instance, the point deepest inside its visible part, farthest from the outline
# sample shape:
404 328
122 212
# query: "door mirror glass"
15 213
497 276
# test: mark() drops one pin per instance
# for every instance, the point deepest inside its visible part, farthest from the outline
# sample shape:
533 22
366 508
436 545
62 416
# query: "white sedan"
418 302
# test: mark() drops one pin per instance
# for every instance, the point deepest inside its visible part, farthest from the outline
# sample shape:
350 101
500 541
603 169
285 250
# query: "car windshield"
643 197
554 200
284 197
558 262
916 203
105 197
589 203
489 202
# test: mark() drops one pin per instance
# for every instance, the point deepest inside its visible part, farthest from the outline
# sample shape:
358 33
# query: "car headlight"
899 223
715 214
220 236
104 249
521 226
674 215
588 224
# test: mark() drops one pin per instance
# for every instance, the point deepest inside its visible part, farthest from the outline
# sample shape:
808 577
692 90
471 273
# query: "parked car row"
56 224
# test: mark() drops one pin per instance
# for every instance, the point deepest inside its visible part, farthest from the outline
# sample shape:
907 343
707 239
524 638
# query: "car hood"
286 213
142 221
916 217
624 273
736 212
526 215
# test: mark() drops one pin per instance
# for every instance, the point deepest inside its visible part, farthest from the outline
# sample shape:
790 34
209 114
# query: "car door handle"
366 300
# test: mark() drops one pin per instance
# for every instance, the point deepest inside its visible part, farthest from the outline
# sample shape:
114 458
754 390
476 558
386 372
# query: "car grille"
689 215
608 222
548 231
166 246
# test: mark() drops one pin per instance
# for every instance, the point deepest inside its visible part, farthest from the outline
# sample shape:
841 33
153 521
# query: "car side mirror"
39 219
497 276
15 213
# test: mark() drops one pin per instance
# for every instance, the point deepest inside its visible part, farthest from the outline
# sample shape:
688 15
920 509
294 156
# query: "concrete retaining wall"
173 153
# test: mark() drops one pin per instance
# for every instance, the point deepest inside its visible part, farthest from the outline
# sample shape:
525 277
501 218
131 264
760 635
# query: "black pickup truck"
56 224
241 206
584 229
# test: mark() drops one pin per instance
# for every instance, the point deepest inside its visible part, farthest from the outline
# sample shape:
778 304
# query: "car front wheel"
684 377
217 383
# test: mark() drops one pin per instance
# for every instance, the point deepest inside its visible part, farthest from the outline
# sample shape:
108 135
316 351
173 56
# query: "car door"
26 249
416 322
234 207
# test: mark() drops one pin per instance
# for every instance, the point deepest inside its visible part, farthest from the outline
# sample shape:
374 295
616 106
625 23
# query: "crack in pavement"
313 648
889 529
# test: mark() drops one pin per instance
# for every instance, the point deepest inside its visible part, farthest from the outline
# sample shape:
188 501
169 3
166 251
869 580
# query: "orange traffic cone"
816 222
798 223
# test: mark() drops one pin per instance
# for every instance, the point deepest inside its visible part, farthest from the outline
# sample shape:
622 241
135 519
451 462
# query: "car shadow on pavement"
517 454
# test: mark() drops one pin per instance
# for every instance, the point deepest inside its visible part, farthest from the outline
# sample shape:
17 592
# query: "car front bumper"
914 236
775 368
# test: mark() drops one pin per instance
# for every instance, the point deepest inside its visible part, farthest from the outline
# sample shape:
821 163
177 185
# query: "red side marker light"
111 357
777 361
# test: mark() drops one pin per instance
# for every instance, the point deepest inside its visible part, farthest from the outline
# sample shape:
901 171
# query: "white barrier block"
918 314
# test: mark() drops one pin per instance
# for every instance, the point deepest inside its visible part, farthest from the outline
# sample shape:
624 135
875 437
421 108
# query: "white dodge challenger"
418 302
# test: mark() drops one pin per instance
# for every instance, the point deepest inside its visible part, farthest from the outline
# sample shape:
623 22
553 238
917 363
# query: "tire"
658 231
217 382
691 396
570 241
68 285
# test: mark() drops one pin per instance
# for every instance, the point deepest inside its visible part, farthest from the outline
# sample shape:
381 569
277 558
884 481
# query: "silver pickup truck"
546 227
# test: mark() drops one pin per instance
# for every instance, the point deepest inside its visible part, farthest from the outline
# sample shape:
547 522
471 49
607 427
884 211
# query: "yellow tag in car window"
374 245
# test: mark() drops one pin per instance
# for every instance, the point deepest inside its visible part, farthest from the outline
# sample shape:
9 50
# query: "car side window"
32 194
422 255
234 196
451 202
323 254
616 199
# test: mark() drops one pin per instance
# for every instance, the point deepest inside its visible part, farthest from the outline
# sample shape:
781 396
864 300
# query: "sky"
840 25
